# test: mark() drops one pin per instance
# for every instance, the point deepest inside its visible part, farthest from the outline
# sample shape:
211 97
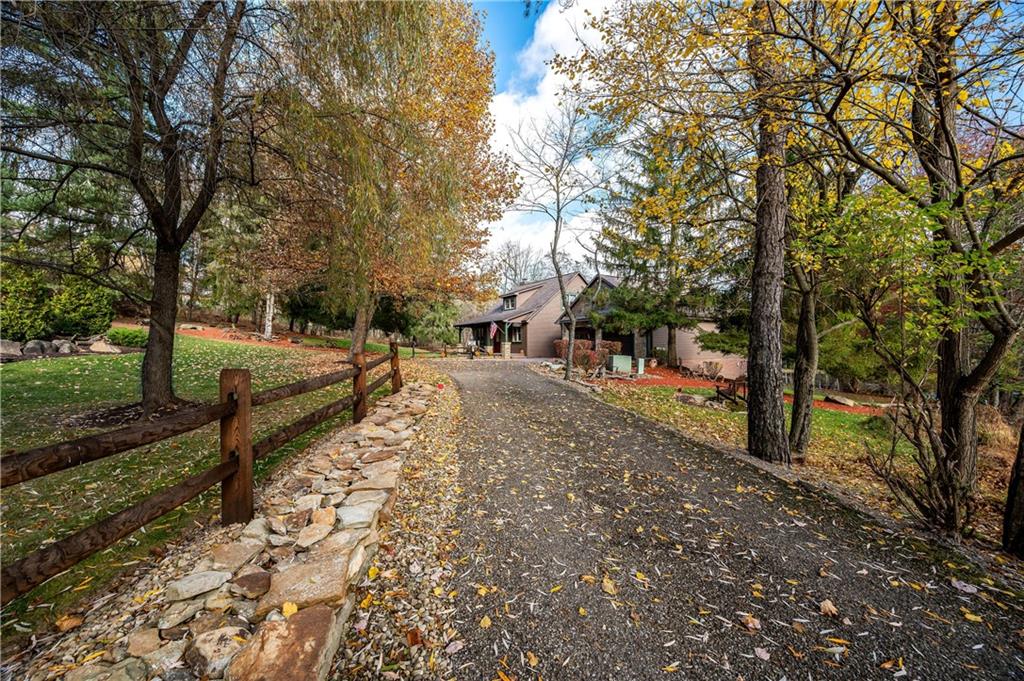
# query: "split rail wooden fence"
234 472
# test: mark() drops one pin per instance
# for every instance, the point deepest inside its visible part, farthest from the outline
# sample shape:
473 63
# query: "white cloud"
533 95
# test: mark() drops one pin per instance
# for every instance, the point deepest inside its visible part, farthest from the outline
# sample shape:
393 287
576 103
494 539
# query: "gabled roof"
582 304
543 291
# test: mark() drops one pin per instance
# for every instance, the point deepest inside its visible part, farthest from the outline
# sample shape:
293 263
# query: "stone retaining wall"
268 600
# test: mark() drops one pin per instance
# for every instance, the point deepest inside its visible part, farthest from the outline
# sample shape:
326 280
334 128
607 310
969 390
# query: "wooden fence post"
359 388
236 442
396 369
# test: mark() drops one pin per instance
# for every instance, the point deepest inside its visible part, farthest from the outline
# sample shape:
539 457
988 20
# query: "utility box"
620 364
639 365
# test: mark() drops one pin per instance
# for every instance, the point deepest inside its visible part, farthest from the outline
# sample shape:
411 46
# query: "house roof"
582 305
543 289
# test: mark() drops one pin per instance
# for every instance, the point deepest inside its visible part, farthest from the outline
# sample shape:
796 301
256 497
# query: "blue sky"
528 89
507 31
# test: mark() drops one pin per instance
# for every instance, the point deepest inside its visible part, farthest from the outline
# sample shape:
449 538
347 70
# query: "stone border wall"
268 600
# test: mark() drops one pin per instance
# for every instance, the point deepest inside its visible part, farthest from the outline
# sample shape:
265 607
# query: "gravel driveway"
594 544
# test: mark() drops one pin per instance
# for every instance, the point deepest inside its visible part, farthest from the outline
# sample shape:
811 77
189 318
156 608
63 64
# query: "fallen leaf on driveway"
608 585
69 622
762 653
532 659
751 623
828 609
970 616
485 622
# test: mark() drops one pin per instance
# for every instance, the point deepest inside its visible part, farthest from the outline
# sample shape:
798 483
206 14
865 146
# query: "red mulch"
663 376
241 336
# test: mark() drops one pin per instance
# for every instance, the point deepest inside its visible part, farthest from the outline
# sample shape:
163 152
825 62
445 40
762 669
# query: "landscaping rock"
310 502
321 580
104 347
234 555
8 347
397 438
129 669
38 347
379 455
311 534
300 647
65 347
277 525
374 470
195 584
839 399
179 613
280 540
298 519
355 517
258 528
342 542
143 641
324 516
388 481
211 652
252 585
372 496
165 658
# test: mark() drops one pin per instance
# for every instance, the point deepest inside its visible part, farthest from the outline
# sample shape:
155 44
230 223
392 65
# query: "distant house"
644 343
527 316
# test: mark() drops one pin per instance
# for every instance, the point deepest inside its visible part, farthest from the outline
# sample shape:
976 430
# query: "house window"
509 303
515 334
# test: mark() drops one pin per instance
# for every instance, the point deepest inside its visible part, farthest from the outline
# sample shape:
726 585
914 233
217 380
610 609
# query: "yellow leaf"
365 603
373 572
532 659
555 589
608 586
589 579
970 616
583 611
674 667
289 609
485 623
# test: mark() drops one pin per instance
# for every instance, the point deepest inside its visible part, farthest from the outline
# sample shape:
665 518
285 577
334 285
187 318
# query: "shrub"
583 356
80 308
561 345
24 314
613 347
128 338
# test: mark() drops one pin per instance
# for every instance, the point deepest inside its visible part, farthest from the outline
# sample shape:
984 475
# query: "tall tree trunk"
766 419
564 293
268 316
804 371
1013 517
157 388
361 328
672 351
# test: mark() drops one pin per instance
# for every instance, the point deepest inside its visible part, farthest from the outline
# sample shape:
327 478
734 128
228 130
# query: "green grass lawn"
379 348
38 394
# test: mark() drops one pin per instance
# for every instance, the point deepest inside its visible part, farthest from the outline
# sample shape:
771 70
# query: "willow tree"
150 96
388 130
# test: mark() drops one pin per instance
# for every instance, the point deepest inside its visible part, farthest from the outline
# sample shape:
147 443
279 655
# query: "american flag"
494 329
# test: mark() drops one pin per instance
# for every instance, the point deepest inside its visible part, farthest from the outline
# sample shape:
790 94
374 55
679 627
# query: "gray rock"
309 502
354 517
179 613
195 584
165 658
211 652
129 669
342 542
374 496
320 580
387 481
142 642
65 347
38 347
258 528
236 554
280 540
8 347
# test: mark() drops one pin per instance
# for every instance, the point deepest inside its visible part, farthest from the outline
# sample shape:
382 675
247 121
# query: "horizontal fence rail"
234 472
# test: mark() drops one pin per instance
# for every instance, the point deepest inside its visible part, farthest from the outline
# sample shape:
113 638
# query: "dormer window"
508 303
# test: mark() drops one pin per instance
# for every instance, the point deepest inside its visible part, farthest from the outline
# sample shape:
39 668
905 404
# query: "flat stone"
354 517
357 563
310 502
280 540
100 346
416 408
320 580
387 481
379 455
352 436
252 585
397 438
277 525
258 528
195 584
298 520
332 488
374 470
324 516
211 652
236 554
300 647
165 658
9 347
128 669
320 464
374 496
311 534
398 425
220 600
143 641
178 613
344 542
336 499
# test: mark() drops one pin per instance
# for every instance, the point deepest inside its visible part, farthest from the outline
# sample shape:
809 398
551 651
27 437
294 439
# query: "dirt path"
596 545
